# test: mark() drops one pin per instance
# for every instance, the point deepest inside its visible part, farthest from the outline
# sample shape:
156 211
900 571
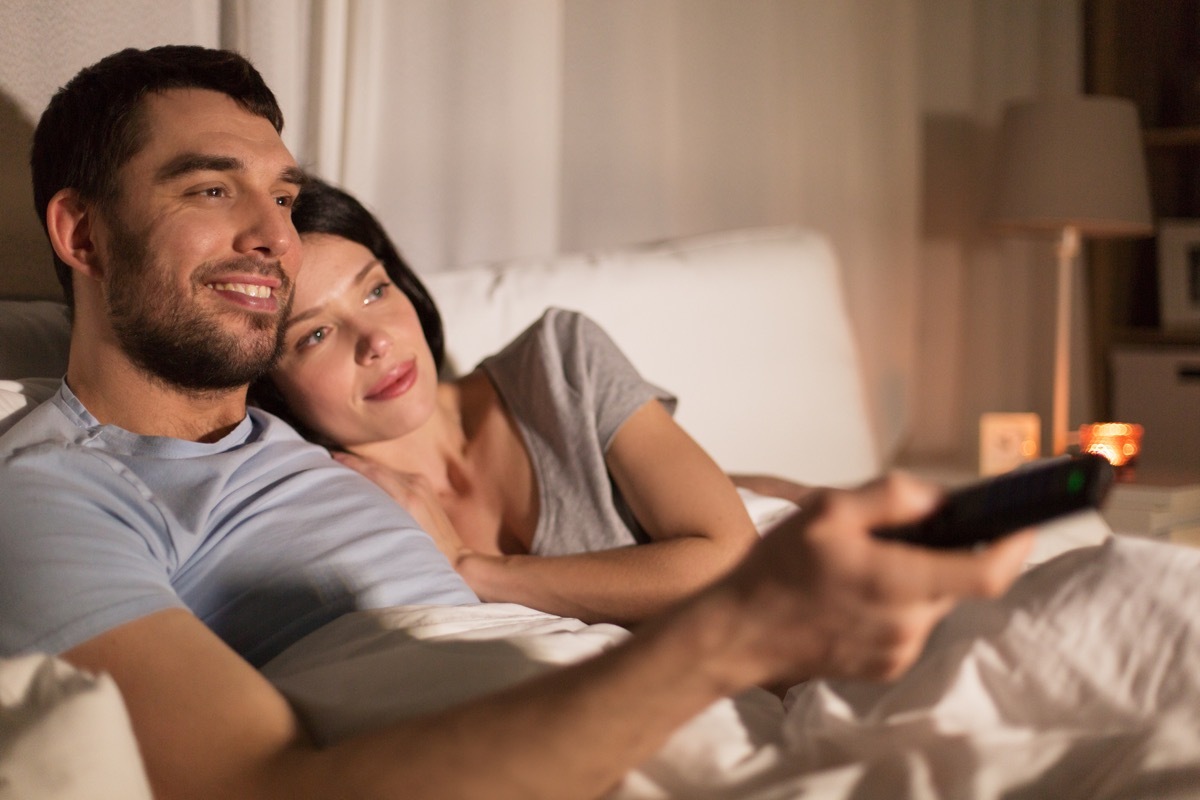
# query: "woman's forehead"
331 267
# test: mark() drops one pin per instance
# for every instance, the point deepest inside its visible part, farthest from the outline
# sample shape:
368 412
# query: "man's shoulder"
38 421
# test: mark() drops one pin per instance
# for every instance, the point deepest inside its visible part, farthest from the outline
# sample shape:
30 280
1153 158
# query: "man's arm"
818 596
210 726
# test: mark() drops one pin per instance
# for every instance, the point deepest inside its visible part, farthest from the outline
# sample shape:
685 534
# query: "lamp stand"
1068 249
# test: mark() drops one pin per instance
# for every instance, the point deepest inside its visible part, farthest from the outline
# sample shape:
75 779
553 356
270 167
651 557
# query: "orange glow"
1119 442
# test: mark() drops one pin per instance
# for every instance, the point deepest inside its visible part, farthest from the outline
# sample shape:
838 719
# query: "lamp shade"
1072 161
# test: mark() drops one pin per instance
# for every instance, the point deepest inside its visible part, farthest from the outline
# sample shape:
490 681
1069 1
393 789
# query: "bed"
1080 684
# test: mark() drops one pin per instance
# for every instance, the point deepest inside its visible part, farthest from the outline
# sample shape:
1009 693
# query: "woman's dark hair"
94 124
323 208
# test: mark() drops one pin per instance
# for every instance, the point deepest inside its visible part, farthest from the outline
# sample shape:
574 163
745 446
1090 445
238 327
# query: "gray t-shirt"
570 389
261 534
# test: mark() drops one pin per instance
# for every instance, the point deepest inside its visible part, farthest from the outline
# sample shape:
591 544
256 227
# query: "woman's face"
356 367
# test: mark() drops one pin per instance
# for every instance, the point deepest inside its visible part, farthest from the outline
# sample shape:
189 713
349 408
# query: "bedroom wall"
987 302
43 44
491 130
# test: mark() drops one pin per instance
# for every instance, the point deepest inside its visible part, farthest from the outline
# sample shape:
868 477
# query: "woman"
552 475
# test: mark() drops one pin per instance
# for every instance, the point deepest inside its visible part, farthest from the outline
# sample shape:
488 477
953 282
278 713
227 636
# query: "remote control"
987 510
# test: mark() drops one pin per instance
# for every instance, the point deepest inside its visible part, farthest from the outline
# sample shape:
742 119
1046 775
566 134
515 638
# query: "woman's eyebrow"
358 279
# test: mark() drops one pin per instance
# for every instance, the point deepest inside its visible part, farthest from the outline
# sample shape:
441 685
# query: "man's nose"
267 228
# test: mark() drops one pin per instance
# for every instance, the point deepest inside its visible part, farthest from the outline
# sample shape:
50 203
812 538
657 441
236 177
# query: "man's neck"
122 394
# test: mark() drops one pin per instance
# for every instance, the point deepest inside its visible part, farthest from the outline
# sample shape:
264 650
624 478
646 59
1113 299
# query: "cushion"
64 734
17 398
748 328
34 338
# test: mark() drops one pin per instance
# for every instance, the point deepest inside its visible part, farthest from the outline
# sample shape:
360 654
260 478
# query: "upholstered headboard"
748 328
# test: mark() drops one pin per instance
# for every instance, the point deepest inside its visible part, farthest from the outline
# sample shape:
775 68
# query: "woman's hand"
414 493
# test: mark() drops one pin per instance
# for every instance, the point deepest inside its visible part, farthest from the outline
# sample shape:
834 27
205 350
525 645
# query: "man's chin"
249 318
220 361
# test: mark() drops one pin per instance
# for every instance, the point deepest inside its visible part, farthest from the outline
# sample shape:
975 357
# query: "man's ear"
69 224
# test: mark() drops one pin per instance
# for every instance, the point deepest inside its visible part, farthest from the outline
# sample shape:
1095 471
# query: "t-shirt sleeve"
568 360
618 387
75 560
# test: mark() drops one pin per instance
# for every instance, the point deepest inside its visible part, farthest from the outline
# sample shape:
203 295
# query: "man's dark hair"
95 124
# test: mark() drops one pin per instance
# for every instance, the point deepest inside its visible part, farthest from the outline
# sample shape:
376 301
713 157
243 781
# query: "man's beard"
168 334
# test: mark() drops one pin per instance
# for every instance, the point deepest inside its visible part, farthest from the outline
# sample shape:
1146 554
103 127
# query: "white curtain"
485 130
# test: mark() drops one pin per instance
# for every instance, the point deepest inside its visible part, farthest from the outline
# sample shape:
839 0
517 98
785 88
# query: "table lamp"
1071 166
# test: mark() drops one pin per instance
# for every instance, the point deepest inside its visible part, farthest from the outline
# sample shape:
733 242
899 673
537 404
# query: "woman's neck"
432 448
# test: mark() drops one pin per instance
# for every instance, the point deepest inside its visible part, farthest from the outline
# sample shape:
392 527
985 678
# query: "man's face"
200 252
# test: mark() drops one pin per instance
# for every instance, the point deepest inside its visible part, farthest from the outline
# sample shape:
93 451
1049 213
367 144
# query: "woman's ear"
69 222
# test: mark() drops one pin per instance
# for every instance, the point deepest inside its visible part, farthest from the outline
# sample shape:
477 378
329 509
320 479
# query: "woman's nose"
372 345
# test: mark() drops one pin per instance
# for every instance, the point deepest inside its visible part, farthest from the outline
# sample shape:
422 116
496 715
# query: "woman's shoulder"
558 320
556 331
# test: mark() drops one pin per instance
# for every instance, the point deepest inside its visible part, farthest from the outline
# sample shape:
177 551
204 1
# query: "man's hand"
821 597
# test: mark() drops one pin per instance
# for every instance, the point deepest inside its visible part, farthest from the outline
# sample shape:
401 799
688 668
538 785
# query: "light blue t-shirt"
262 535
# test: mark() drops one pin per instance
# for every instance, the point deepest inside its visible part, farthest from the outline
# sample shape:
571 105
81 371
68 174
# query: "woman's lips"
398 380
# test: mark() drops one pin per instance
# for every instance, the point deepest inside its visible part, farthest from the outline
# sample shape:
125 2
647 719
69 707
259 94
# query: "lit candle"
1119 442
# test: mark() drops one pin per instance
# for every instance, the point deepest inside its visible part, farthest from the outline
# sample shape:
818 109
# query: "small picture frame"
1179 273
1008 440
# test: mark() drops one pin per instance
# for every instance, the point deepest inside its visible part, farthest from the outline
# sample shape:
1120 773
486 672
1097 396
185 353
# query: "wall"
44 44
986 328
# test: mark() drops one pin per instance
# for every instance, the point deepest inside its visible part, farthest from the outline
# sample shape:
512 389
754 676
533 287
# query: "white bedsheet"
1083 682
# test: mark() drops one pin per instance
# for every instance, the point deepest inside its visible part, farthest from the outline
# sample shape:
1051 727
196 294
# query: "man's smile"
251 289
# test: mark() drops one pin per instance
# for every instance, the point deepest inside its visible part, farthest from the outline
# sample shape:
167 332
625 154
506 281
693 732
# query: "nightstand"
1157 506
1160 390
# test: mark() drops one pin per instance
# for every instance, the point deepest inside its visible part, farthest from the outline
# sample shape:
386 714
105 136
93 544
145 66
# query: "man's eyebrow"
358 279
295 176
186 163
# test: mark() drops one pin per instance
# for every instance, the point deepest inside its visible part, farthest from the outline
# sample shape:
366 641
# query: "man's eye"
285 201
213 191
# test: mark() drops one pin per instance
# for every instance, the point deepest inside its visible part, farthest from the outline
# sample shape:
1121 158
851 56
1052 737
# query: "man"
156 531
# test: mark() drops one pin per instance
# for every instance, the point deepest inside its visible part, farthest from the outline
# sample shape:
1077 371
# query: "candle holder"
1119 442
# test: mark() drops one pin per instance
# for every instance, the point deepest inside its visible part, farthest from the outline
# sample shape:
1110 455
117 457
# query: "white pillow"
34 338
65 735
748 328
18 398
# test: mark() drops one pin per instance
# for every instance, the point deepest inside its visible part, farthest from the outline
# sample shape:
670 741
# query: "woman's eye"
380 291
313 339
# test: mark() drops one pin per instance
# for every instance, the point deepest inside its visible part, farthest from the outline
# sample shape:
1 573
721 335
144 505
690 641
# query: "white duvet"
1083 682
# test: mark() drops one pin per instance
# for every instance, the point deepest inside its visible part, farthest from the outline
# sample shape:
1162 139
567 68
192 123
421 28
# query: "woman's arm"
774 486
696 521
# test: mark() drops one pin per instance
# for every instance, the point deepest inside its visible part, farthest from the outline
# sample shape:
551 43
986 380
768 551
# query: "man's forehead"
204 121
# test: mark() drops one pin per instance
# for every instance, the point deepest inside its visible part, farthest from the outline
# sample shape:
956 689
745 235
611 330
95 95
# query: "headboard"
748 328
